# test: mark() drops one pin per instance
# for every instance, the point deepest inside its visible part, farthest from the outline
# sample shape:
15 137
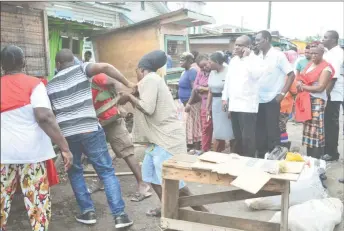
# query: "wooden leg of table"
170 197
285 207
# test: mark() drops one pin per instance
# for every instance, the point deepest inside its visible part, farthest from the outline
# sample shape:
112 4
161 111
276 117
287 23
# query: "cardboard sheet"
251 180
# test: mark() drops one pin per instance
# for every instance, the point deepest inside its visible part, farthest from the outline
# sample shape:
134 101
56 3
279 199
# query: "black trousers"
332 128
267 130
244 129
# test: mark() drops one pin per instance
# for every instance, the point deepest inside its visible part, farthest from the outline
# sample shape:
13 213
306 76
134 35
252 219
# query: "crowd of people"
250 100
246 102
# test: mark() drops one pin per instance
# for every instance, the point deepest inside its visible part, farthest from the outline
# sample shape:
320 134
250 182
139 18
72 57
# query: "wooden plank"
251 180
179 225
170 197
215 157
212 198
207 177
117 174
46 42
285 207
226 221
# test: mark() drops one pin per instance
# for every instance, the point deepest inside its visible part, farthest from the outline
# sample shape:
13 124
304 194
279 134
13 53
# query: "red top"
100 81
16 90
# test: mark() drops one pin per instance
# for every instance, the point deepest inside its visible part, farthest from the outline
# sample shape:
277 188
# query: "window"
108 25
76 47
89 21
142 5
65 43
98 23
175 46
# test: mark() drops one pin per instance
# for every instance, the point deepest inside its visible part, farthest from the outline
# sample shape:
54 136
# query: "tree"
310 39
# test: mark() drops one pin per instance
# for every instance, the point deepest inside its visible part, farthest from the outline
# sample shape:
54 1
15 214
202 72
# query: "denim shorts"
155 156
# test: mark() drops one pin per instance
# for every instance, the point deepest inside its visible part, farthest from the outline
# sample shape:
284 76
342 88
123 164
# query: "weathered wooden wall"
124 48
24 27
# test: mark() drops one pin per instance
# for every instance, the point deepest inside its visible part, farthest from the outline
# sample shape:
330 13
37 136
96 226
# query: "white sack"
313 215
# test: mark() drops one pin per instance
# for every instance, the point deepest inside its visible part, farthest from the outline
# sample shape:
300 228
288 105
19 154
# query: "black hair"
266 34
195 55
12 58
218 57
88 53
293 48
64 56
334 35
201 57
308 47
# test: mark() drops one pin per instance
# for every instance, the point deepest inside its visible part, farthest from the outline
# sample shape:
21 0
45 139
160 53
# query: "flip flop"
154 212
140 197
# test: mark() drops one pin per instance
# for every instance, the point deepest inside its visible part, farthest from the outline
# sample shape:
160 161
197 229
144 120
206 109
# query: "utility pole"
269 15
242 23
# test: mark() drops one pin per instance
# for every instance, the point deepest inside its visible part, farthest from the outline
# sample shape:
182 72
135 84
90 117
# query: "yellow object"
282 167
292 156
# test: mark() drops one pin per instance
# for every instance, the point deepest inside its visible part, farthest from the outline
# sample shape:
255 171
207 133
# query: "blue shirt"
185 87
277 67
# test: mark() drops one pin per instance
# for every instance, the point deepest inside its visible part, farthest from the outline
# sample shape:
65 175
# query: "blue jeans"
94 146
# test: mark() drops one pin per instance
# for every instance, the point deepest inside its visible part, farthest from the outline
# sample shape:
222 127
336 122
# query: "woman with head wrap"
156 123
192 118
311 100
222 125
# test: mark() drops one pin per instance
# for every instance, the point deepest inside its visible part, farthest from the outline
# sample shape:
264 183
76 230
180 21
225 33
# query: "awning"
74 26
189 18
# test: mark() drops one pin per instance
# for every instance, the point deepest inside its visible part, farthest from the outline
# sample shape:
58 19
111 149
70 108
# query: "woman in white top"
28 126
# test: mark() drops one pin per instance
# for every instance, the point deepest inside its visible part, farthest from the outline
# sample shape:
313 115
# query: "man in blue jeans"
71 98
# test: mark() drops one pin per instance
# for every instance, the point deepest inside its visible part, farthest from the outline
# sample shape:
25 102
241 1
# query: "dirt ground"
65 207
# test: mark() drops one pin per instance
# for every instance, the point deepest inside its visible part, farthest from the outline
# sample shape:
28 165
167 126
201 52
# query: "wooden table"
176 217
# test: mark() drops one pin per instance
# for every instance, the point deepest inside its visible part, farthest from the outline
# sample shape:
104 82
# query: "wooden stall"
123 47
250 181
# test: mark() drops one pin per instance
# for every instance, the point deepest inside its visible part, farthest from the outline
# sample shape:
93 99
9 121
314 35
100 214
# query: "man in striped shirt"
71 98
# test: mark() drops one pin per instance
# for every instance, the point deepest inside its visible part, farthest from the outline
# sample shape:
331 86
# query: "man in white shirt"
273 88
335 93
241 95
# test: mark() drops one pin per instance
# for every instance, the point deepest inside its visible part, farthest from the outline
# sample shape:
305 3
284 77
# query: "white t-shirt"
273 80
335 58
242 84
22 139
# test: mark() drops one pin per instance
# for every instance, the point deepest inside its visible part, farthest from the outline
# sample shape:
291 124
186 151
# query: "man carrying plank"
117 134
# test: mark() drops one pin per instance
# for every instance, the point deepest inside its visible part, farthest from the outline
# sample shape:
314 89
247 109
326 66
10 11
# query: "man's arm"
93 69
46 120
148 97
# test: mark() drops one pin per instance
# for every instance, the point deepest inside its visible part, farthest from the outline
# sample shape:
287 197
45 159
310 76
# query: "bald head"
240 43
64 59
245 40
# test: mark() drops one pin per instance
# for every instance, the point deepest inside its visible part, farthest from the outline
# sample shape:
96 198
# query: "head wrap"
153 60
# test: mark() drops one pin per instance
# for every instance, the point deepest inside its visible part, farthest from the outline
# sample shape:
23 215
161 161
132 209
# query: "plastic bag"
308 187
313 215
180 110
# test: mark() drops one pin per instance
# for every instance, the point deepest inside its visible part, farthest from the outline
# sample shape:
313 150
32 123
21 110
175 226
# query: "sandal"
140 197
154 212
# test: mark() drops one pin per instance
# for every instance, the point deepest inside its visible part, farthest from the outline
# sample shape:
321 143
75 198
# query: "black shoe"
122 221
327 157
88 218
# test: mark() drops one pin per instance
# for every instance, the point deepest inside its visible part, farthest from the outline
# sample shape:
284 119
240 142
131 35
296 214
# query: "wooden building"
123 47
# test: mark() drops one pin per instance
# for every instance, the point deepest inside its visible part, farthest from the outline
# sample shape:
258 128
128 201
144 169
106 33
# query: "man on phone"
240 95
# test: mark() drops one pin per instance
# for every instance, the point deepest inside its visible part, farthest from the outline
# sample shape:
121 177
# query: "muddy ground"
65 207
